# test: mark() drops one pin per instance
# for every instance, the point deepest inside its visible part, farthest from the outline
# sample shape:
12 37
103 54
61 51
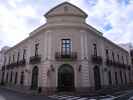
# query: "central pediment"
65 9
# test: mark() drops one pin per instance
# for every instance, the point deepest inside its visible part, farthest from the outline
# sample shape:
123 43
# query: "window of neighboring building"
95 49
110 78
24 53
22 78
36 49
66 46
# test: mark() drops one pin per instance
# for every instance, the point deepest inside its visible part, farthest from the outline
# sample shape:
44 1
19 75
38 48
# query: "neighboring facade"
66 54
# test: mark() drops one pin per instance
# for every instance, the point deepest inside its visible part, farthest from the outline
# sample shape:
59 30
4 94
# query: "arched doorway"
97 78
34 81
65 78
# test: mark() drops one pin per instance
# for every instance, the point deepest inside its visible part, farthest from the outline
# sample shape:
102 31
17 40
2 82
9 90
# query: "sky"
20 17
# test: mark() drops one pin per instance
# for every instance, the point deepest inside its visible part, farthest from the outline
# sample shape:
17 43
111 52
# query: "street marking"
131 98
2 98
67 97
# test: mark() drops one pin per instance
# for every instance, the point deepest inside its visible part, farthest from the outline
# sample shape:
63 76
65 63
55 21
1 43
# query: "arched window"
16 77
22 78
11 77
116 78
110 78
121 77
7 77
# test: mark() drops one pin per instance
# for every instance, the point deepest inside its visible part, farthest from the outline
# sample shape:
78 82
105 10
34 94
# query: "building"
66 54
2 62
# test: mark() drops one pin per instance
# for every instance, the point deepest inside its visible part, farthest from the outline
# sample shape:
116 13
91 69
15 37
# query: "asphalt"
6 94
12 95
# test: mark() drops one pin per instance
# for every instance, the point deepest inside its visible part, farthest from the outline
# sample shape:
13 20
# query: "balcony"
3 68
96 59
63 56
12 65
35 59
22 62
109 62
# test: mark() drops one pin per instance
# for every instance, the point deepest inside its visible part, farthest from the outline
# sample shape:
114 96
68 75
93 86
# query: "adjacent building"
66 54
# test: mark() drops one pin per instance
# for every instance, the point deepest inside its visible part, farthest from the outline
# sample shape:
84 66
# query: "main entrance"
34 81
97 78
65 78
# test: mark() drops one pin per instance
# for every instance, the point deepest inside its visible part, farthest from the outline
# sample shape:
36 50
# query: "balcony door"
34 81
65 78
66 47
97 78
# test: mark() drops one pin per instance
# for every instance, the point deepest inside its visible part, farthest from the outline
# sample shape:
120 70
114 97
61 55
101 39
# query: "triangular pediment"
65 9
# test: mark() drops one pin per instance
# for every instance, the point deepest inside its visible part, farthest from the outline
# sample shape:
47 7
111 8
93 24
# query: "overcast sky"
19 17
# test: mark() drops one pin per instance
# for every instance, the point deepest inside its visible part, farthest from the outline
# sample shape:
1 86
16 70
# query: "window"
125 78
127 59
107 54
9 59
16 76
113 56
66 46
22 78
4 60
18 57
36 49
11 77
110 79
24 53
116 79
118 57
95 49
122 59
121 77
13 58
7 77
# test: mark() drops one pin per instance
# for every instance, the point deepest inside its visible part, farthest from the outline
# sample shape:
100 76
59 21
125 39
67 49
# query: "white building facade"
66 54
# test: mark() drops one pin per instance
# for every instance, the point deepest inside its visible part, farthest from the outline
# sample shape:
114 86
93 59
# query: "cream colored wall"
49 40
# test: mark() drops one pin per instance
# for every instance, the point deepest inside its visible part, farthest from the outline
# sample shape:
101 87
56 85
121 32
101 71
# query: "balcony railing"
12 65
63 56
109 62
96 59
35 59
21 62
3 68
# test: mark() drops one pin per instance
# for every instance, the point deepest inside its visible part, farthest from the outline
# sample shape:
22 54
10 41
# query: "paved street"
11 95
126 96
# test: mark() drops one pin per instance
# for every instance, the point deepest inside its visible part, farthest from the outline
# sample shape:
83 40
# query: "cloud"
112 17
